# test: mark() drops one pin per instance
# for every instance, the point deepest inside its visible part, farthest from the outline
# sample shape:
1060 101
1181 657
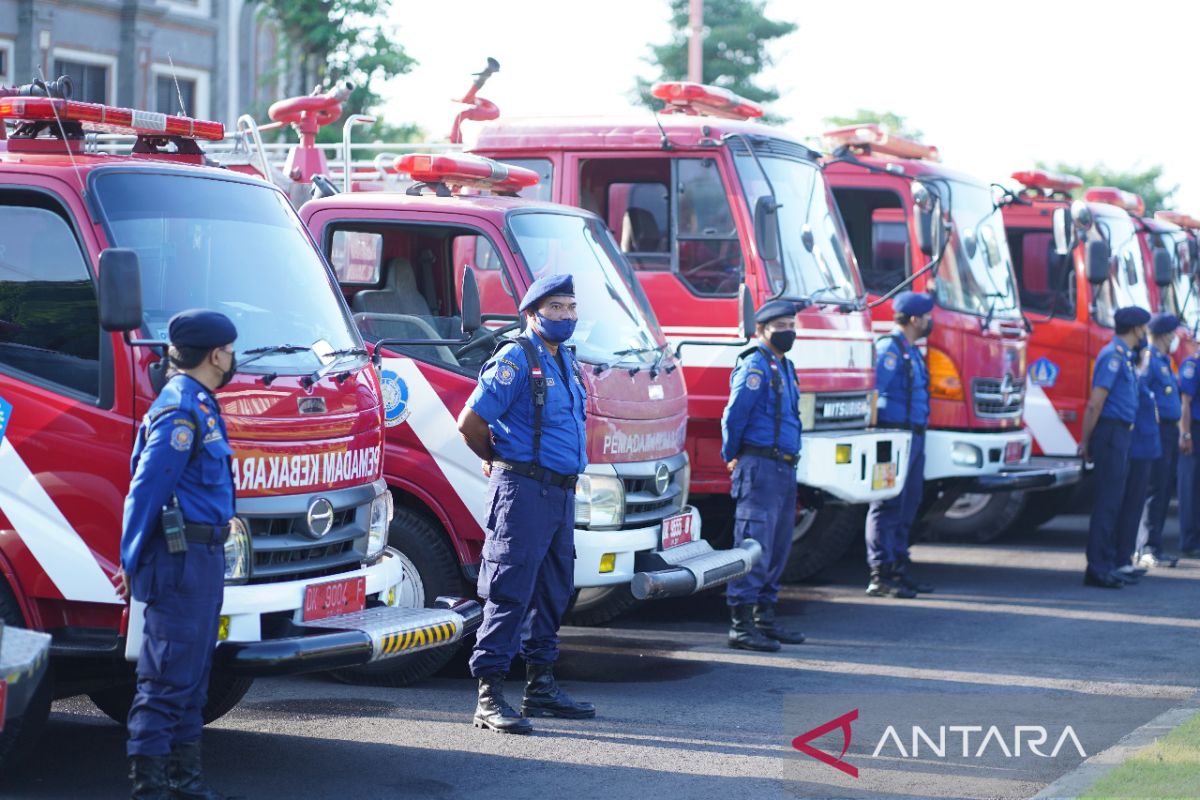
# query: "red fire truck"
709 206
916 224
101 251
1169 247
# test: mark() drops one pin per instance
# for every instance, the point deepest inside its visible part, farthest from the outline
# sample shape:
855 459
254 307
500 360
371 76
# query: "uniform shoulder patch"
1189 369
506 373
890 360
754 380
181 438
1113 364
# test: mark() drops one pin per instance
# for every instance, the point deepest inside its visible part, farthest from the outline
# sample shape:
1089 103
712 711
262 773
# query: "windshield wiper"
338 356
256 353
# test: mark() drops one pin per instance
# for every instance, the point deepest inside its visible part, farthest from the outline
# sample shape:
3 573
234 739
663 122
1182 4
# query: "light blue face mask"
555 331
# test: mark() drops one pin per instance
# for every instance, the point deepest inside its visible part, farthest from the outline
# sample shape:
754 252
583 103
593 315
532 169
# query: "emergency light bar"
109 118
878 140
463 170
1116 197
1176 218
1049 181
686 97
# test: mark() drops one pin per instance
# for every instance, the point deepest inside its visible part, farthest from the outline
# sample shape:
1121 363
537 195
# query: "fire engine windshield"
815 256
234 247
612 322
981 283
1127 286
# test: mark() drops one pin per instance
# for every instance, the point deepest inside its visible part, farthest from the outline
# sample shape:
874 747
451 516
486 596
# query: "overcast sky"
995 86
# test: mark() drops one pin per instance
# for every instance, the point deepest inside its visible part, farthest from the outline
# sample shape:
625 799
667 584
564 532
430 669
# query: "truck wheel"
224 692
597 605
431 563
822 536
977 518
21 735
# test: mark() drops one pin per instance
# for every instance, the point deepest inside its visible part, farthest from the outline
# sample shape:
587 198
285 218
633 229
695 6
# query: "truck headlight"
966 455
237 552
381 518
599 501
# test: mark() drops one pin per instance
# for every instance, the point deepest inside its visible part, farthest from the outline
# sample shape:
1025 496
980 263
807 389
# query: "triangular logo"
801 743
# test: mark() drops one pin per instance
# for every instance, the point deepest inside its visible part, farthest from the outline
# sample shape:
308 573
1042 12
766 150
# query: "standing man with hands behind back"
760 432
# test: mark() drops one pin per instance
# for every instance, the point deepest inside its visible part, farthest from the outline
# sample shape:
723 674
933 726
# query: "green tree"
1145 182
736 35
333 40
894 122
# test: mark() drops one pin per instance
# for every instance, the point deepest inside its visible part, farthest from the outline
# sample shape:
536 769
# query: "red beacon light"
1176 218
441 171
685 97
1116 197
876 139
1049 182
112 119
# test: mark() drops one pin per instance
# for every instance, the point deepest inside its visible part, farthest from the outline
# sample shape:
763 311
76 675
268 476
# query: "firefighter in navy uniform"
525 419
760 433
1145 450
1189 475
1163 473
902 380
1107 435
177 514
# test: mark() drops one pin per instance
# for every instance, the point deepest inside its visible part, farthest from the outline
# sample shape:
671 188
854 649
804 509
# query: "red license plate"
676 530
322 600
1013 452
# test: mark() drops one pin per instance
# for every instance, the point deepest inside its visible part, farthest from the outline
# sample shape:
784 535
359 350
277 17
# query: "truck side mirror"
472 319
1062 231
1081 215
120 290
925 210
970 242
1164 267
745 313
1099 262
766 229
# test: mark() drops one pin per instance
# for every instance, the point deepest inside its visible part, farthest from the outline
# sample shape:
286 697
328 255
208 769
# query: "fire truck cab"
99 252
705 201
916 224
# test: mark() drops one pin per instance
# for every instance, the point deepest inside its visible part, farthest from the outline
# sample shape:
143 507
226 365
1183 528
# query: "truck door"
65 425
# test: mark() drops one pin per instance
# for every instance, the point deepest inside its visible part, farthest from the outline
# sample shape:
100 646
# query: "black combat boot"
745 635
901 576
764 619
149 776
186 776
494 713
883 585
545 698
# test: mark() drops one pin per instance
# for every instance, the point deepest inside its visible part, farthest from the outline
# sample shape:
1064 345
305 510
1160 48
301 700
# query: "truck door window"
878 233
639 214
544 190
710 256
357 257
1045 278
49 320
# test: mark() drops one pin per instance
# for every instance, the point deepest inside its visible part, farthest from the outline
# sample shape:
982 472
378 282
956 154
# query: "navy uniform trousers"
183 593
1133 506
527 574
765 491
1189 496
1160 486
1109 450
889 522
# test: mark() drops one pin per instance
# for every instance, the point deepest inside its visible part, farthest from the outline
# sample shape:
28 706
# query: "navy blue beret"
544 287
1131 317
774 309
199 327
914 304
1163 323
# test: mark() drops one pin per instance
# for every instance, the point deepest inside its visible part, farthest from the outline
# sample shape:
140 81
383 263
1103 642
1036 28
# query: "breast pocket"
214 462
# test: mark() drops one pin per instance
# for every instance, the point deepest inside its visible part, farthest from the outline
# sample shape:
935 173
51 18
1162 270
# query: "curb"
1080 779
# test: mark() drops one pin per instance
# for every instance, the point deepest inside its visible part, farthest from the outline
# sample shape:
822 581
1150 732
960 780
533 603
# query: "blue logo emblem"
5 413
395 398
1043 372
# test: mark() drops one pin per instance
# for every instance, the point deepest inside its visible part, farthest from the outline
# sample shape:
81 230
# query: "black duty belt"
907 426
769 452
1120 423
206 534
539 474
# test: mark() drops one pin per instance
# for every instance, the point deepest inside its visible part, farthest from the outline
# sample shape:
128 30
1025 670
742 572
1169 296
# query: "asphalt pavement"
1011 638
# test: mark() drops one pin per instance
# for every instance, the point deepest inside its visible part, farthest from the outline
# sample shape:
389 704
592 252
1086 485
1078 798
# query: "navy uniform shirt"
504 399
1189 379
1162 382
900 402
749 417
181 449
1146 443
1114 372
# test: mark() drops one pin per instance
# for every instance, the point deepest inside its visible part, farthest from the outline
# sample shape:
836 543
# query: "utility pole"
696 41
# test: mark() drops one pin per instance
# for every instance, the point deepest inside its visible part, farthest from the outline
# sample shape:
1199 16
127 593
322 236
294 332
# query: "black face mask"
783 340
228 374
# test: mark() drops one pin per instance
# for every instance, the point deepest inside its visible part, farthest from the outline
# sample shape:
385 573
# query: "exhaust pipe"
700 572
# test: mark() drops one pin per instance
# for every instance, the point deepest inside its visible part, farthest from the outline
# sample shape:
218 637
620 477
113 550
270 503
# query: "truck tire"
432 562
1041 507
600 604
21 735
224 692
822 536
977 518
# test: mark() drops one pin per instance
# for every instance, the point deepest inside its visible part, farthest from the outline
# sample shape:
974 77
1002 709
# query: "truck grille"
643 504
283 551
842 411
998 399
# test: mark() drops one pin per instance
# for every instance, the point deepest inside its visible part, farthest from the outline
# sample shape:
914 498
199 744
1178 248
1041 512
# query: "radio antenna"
178 91
63 132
